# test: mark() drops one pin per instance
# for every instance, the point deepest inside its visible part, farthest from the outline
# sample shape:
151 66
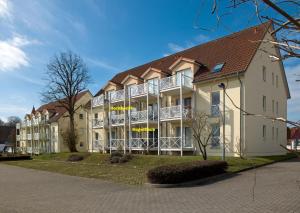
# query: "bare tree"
202 131
2 123
285 19
66 76
12 121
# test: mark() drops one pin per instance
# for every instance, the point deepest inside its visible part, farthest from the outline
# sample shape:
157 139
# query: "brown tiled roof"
235 50
55 110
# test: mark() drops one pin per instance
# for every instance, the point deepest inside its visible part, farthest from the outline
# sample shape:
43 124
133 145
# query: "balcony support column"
124 104
181 114
158 117
148 122
109 117
129 120
31 132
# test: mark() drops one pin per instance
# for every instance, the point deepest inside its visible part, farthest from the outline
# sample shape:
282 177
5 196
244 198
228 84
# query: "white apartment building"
148 108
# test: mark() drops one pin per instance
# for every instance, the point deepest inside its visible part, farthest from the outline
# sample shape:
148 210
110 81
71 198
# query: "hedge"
184 172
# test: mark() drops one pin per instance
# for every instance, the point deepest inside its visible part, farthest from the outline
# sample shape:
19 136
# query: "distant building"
42 130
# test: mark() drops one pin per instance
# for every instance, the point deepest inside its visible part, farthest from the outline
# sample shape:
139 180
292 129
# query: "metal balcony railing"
215 142
98 101
141 116
116 144
173 112
18 137
141 143
117 119
175 81
170 143
116 96
143 89
98 123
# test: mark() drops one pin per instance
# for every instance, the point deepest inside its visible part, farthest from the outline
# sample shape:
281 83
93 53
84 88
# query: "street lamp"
222 86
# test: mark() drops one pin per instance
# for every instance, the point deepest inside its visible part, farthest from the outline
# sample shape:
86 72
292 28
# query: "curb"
212 178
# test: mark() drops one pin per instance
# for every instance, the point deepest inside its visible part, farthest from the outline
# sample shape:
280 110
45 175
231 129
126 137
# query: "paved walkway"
277 190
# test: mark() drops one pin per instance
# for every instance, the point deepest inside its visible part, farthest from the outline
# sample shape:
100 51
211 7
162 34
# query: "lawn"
133 172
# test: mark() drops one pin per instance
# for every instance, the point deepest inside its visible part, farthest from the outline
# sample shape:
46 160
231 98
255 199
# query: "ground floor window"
215 139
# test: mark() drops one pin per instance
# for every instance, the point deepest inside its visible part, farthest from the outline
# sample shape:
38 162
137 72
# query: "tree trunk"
204 153
72 136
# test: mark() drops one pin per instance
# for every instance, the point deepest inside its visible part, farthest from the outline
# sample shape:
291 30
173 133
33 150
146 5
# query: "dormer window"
218 67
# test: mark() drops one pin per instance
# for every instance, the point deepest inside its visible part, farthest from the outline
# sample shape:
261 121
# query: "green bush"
75 157
184 172
117 157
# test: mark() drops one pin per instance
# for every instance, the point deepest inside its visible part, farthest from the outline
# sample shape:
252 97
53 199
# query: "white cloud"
5 11
102 64
11 53
201 38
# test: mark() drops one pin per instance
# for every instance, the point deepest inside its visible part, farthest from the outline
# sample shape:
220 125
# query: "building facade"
42 131
149 108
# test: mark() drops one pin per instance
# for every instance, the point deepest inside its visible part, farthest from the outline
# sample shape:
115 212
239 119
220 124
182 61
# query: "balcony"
98 101
29 137
98 123
117 119
143 143
174 143
35 122
116 144
173 112
117 96
36 136
28 123
175 82
141 116
18 125
18 137
144 89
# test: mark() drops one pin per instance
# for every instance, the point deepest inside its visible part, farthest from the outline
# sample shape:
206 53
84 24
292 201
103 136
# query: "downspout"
241 114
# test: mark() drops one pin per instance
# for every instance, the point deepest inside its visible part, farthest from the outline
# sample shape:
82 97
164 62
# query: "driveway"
276 189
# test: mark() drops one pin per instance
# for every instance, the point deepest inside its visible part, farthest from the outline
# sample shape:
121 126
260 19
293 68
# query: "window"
273 78
215 140
277 110
187 77
187 102
215 102
264 73
264 103
96 115
96 136
81 116
81 144
273 106
188 137
273 133
264 132
276 81
277 134
218 67
18 131
153 85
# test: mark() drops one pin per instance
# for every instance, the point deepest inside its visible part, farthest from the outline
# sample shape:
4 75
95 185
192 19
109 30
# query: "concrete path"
277 189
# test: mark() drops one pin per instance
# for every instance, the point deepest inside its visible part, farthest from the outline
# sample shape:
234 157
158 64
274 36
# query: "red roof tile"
235 50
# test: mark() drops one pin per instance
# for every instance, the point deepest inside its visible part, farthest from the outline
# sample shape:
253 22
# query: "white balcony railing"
98 123
116 96
29 137
28 123
170 143
35 122
18 125
175 81
173 112
117 144
117 119
143 89
141 116
18 137
36 136
142 143
98 101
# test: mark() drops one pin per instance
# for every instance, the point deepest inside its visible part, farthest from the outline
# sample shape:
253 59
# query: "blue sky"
110 36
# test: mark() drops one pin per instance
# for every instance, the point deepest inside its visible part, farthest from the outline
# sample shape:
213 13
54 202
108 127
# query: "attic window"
218 67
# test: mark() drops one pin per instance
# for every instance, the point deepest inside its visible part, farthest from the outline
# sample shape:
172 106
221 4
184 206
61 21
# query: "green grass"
134 172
